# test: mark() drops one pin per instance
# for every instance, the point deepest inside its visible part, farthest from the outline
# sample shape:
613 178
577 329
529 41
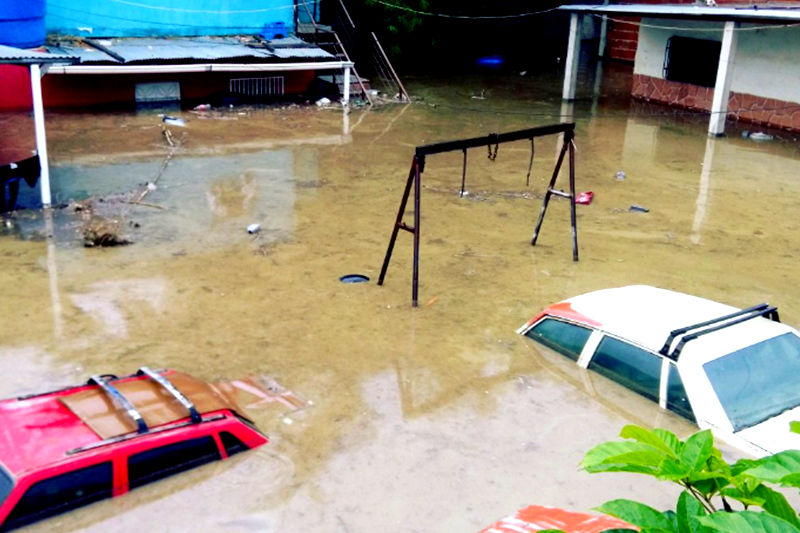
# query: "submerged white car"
734 371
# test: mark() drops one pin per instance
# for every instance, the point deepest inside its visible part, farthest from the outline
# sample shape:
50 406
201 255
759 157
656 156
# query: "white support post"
41 140
573 54
346 96
722 89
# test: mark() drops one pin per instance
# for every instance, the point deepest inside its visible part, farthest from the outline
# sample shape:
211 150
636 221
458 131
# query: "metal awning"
712 13
17 56
140 50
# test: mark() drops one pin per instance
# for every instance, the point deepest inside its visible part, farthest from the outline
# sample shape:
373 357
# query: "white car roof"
646 315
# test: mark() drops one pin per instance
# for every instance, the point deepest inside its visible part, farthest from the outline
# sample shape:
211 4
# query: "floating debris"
101 231
174 121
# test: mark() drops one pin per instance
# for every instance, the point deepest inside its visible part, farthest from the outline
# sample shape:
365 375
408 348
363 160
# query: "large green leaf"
689 509
697 450
775 504
622 457
638 514
776 468
672 470
659 439
747 522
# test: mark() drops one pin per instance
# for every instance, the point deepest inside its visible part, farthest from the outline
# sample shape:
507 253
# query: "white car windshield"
757 382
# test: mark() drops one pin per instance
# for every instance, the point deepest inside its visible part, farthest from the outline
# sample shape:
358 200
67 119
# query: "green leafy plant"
716 495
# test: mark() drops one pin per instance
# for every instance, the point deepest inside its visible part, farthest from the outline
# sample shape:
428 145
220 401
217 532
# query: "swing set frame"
493 139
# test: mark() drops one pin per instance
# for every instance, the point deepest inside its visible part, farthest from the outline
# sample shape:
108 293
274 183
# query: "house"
737 62
139 52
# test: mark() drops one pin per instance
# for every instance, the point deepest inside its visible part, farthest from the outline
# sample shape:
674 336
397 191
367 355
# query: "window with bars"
255 87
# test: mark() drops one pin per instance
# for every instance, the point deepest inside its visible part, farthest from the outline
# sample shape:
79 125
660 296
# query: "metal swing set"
491 140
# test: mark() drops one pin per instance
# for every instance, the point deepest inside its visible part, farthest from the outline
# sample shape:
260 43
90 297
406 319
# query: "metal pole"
464 174
417 189
549 192
41 140
398 223
573 218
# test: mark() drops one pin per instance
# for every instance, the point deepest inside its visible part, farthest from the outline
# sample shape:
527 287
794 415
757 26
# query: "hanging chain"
492 155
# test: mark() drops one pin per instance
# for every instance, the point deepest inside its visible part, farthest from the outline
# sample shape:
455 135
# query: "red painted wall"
623 38
88 90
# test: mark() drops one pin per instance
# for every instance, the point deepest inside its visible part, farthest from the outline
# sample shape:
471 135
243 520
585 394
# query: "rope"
684 28
417 12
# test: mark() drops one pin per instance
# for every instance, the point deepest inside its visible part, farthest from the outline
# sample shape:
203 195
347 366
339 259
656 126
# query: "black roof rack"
719 323
178 395
118 397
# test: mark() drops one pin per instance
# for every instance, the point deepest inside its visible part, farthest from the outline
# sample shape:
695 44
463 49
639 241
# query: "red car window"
61 493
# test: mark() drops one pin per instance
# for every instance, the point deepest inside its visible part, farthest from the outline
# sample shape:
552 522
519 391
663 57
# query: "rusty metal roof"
769 13
18 56
198 49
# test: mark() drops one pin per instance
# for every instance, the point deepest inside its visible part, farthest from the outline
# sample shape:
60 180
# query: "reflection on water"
434 419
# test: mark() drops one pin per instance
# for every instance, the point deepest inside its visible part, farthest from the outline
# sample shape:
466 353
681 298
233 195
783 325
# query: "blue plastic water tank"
22 23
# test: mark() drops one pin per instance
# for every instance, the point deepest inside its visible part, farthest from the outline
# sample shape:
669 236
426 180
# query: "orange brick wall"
741 106
623 32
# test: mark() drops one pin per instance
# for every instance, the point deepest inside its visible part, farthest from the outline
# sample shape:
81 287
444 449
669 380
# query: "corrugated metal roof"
85 54
18 56
205 49
743 14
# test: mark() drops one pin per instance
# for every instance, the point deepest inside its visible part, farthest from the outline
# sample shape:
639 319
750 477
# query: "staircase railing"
339 49
377 57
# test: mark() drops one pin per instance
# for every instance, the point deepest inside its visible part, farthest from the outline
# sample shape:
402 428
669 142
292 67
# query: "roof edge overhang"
199 67
692 12
10 55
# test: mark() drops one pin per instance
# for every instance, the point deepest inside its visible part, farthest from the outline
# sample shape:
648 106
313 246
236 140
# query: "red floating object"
584 198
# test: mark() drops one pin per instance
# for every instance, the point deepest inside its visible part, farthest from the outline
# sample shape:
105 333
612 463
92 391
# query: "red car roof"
39 431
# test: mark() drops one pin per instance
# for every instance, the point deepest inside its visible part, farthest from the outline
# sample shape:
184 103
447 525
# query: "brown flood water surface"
439 418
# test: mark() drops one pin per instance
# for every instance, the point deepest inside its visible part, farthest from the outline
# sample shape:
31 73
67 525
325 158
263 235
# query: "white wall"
767 62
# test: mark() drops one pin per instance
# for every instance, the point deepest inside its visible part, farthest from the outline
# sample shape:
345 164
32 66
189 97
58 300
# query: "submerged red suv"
68 448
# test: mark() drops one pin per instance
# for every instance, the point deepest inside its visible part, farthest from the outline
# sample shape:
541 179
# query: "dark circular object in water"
354 278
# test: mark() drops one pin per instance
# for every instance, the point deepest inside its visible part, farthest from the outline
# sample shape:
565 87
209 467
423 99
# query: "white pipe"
205 67
41 140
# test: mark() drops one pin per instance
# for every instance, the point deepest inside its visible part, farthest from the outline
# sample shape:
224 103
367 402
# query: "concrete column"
346 95
601 49
41 140
573 54
722 90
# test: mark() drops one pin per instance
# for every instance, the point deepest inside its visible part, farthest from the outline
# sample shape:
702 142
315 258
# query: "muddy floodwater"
439 418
